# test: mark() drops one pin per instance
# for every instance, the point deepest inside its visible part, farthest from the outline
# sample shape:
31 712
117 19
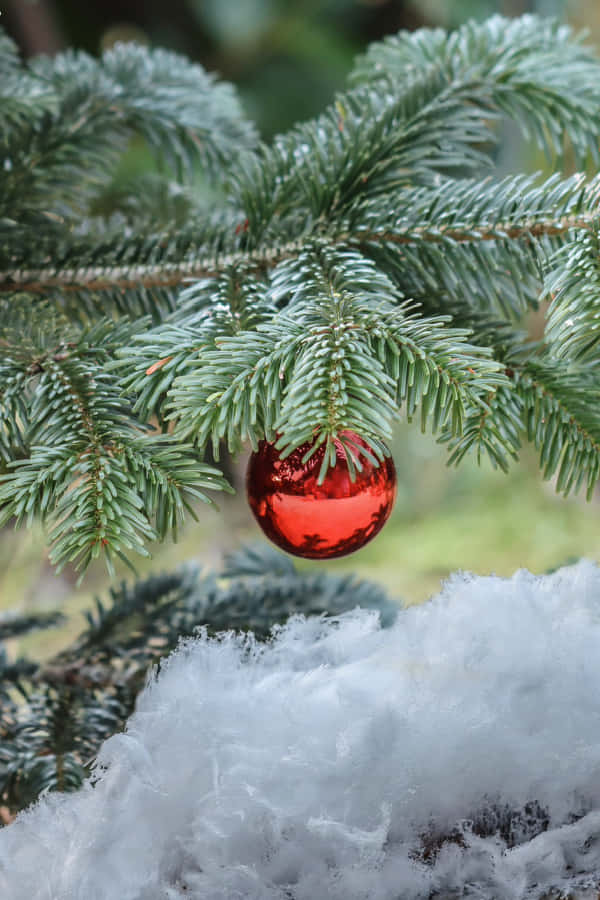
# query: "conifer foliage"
55 715
364 266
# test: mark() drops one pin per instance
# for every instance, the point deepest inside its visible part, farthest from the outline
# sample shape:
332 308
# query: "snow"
349 762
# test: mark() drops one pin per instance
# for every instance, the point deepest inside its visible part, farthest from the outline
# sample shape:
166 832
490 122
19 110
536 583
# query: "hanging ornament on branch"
319 521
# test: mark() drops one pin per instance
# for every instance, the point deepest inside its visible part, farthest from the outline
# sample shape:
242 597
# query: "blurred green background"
287 59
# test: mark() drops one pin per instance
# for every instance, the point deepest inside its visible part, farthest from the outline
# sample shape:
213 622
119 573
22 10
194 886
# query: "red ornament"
319 521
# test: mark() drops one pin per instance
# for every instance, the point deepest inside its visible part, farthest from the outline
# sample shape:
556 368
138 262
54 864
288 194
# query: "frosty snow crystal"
456 752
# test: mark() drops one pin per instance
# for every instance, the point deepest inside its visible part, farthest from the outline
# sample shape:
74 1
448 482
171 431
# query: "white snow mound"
455 754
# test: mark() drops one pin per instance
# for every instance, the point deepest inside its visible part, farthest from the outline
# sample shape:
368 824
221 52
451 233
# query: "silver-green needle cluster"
365 266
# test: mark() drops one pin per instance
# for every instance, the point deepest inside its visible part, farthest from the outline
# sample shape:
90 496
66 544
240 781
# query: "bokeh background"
287 58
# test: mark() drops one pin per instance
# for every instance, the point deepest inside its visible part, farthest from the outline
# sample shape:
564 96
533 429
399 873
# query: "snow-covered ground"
455 754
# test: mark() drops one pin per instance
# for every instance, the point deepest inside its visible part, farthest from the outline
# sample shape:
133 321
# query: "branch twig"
171 274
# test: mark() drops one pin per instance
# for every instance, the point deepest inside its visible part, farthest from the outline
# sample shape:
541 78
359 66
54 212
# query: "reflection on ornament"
319 521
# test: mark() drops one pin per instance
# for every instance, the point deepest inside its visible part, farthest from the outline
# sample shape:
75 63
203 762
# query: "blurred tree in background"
286 57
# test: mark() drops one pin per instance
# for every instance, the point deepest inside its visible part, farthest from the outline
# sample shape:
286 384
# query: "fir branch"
555 409
320 168
344 338
23 97
492 279
470 252
573 318
515 214
9 55
561 412
57 162
493 431
148 366
310 174
14 676
14 625
197 266
414 115
234 390
514 207
76 700
535 71
87 473
179 108
298 324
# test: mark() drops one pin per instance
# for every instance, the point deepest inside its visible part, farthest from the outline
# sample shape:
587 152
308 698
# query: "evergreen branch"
489 278
505 342
573 282
27 338
87 473
23 97
9 55
13 677
168 477
150 364
410 118
181 110
234 390
58 161
113 631
14 418
344 338
49 750
13 625
364 138
464 212
234 302
494 431
495 270
490 208
562 419
555 409
76 700
336 374
168 274
535 71
298 326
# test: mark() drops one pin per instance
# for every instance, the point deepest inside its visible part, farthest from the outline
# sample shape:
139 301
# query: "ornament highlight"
319 521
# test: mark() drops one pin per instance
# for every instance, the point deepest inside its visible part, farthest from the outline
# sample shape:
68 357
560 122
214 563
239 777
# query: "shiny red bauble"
319 521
